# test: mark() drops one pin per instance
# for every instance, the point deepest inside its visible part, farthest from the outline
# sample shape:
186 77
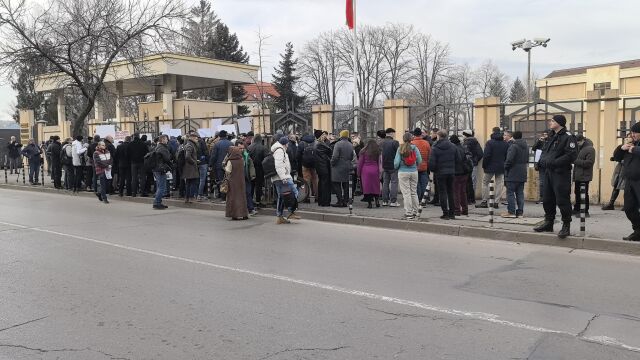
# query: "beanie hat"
317 133
467 132
389 130
417 132
344 133
283 140
635 128
560 119
381 134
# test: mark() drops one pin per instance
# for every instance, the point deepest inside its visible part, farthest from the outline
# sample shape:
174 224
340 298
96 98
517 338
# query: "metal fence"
451 117
630 115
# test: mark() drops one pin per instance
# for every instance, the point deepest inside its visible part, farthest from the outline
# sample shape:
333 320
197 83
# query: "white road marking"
492 318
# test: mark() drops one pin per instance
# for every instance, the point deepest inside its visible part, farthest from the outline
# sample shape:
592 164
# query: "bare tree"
430 62
396 43
82 39
488 78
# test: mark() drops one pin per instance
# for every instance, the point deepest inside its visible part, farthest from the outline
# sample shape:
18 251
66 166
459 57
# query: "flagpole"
356 97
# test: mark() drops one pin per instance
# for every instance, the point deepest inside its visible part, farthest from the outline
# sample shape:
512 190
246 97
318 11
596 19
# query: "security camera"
517 43
542 41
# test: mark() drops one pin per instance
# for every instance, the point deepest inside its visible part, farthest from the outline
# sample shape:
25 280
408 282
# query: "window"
601 87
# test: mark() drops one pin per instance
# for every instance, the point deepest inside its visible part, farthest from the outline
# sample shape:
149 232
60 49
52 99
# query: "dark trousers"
257 185
576 191
460 203
78 174
34 171
247 189
471 192
324 189
557 192
342 191
56 175
435 190
124 179
89 175
103 185
632 202
138 178
94 179
423 178
191 188
445 193
68 177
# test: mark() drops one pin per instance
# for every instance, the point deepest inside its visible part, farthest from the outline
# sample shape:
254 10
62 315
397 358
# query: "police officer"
631 181
557 156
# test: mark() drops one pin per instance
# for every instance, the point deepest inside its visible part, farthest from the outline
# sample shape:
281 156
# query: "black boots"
565 231
635 236
546 226
609 206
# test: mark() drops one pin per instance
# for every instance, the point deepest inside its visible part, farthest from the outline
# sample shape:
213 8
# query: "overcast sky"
582 32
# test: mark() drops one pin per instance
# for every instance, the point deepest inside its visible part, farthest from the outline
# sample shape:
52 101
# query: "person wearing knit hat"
630 155
344 134
417 132
283 140
557 157
467 132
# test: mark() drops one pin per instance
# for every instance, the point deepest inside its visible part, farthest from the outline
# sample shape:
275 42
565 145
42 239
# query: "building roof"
254 91
583 70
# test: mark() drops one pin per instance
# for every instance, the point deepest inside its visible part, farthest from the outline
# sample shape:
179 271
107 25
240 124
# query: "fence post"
425 197
24 169
6 177
350 194
491 201
42 172
583 198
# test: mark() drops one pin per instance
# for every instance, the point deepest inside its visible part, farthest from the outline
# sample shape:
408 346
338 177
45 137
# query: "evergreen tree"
199 27
27 98
497 88
284 81
225 46
518 92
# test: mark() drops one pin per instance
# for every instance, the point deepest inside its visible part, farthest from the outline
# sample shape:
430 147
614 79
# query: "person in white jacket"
283 179
77 150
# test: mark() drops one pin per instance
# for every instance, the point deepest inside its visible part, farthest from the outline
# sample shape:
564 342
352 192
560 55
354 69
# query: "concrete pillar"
119 99
592 130
179 86
167 96
62 115
396 116
27 122
609 141
261 121
229 91
98 111
486 116
322 117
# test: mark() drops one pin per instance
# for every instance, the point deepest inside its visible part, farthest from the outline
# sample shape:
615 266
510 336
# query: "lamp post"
527 45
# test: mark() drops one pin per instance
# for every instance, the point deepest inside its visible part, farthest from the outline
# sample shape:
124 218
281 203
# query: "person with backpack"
190 172
161 167
425 150
55 151
442 163
406 163
515 175
390 173
307 159
286 189
66 159
341 168
463 168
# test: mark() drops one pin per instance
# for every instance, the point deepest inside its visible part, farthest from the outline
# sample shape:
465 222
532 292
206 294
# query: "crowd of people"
237 168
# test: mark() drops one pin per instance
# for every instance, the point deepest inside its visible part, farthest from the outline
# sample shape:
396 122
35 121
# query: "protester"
13 148
472 146
463 168
307 159
163 160
583 173
257 152
630 153
495 152
515 175
323 155
406 162
66 159
190 172
425 151
369 171
33 155
283 181
249 177
341 167
236 205
556 159
442 163
108 141
93 179
292 152
617 178
136 152
78 151
124 167
218 155
102 162
390 173
203 168
55 151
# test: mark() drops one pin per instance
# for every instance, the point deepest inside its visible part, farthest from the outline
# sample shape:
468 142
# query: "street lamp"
527 45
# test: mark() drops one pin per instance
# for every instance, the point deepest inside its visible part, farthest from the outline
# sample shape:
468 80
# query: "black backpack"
64 158
309 156
181 158
150 161
467 161
269 165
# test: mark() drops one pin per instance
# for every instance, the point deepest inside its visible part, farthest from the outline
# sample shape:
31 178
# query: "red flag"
350 22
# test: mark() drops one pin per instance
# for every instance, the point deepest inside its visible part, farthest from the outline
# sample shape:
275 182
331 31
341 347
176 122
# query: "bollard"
425 198
6 177
41 172
350 195
491 201
24 169
583 198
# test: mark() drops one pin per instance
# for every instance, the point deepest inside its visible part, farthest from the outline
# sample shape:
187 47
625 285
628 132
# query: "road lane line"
491 318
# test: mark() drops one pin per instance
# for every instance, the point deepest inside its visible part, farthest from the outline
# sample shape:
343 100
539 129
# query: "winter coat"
559 153
190 169
459 162
236 205
32 153
136 151
55 149
425 150
122 153
78 149
342 161
443 158
369 172
281 160
292 152
218 153
389 148
257 152
163 158
102 161
14 149
399 164
472 146
515 166
495 152
583 166
307 140
203 152
323 155
631 162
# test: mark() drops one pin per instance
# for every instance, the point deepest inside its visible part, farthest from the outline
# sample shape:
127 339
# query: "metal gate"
370 120
292 123
630 115
451 117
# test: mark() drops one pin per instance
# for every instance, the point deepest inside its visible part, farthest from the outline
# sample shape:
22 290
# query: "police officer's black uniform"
631 185
558 155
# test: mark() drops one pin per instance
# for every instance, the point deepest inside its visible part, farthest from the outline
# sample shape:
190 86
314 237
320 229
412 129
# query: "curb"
572 242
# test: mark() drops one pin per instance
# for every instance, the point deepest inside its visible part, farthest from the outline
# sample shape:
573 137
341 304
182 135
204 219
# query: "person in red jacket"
425 150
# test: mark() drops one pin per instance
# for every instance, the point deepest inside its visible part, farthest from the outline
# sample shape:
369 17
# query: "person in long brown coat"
236 206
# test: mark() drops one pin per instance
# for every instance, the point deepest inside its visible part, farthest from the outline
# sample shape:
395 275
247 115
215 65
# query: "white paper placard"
205 133
105 130
230 129
245 124
175 132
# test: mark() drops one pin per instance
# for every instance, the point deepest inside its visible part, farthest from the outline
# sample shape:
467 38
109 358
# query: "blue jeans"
515 195
279 187
423 177
103 185
204 169
34 171
161 186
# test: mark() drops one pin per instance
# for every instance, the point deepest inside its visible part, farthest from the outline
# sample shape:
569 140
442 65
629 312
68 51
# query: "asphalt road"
84 280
